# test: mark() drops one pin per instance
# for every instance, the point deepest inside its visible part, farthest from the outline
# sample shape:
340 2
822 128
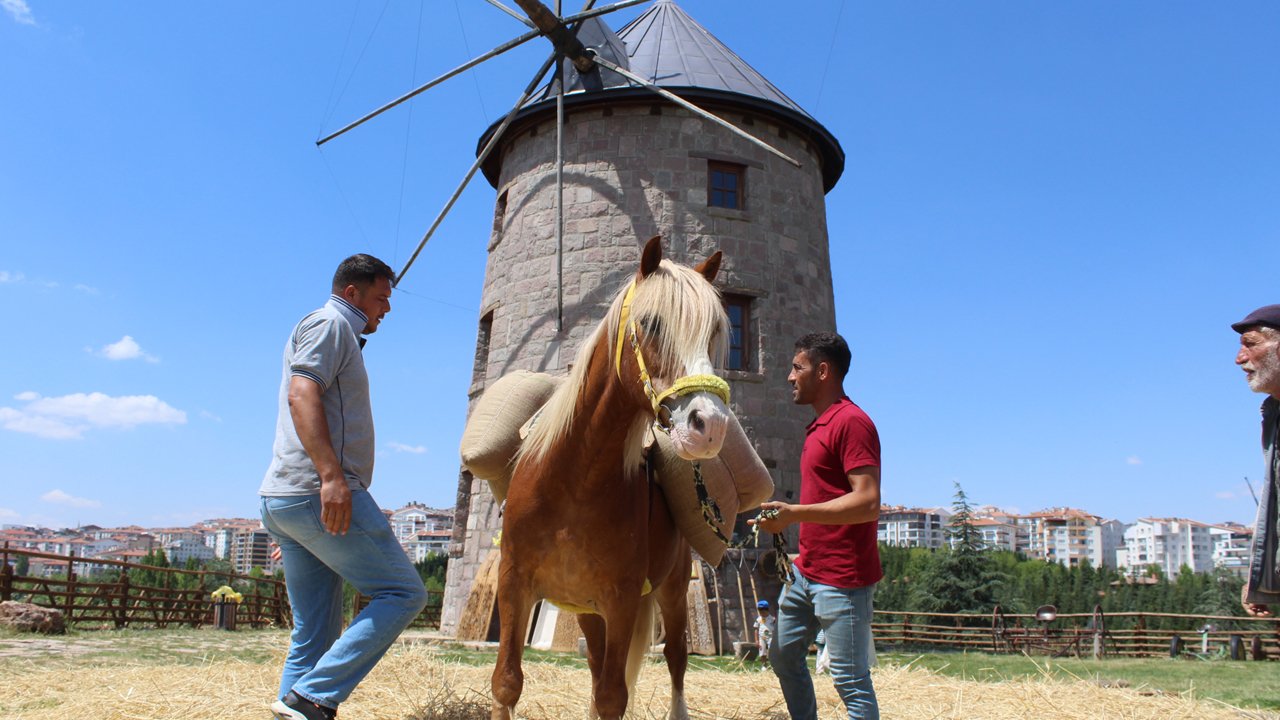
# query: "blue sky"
1050 214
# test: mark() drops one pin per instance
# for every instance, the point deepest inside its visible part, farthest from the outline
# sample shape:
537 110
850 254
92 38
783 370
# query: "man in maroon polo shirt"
839 562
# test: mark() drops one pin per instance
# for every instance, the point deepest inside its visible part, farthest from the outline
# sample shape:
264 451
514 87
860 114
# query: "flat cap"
1267 316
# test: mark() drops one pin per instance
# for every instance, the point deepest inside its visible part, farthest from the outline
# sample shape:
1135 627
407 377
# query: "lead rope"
711 514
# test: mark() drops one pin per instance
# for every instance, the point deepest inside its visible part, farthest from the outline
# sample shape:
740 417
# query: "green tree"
151 578
963 578
219 574
22 566
1221 596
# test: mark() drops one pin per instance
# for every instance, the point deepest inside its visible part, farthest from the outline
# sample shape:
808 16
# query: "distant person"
1259 357
822 663
765 626
316 503
839 563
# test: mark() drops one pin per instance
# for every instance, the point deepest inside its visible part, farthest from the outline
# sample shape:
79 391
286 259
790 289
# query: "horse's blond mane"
677 297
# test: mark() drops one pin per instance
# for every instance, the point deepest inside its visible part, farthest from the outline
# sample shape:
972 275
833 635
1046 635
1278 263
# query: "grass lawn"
1243 684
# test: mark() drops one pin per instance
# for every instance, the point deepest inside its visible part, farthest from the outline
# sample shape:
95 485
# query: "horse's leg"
611 689
514 604
672 597
593 630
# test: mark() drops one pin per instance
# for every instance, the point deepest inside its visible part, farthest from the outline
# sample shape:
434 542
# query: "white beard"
1265 375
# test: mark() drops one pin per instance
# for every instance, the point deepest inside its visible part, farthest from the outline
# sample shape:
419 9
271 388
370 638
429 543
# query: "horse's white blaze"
699 422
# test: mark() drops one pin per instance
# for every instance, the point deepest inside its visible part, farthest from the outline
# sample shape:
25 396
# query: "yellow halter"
682 386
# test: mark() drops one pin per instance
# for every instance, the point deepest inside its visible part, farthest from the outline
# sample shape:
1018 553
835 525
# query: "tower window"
726 183
481 368
739 309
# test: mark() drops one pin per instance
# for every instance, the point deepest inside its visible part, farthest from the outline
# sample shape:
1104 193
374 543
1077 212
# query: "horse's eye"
652 326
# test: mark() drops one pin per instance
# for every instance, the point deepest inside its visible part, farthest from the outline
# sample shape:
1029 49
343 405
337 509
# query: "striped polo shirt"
325 349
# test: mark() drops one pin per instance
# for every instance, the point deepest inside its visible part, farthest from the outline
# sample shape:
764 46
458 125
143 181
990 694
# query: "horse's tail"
641 640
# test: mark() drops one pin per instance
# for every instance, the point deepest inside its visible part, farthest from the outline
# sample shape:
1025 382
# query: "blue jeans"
844 616
324 663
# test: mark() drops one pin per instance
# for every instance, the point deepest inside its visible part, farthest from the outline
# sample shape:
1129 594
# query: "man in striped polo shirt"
317 507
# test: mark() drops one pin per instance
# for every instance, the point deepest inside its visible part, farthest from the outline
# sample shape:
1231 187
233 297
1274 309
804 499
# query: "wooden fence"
1098 635
112 598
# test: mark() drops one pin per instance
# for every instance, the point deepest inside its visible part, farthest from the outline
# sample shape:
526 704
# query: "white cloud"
7 514
69 416
1225 495
57 497
126 349
19 10
401 447
11 277
86 289
210 416
1133 460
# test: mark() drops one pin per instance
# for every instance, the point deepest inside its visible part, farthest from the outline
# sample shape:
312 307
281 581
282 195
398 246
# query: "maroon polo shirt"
839 441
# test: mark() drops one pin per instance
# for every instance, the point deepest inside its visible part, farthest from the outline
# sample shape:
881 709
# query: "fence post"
1140 635
71 585
122 609
1099 628
6 576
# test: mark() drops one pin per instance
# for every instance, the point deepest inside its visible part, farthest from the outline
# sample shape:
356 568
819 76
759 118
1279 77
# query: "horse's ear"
651 256
711 266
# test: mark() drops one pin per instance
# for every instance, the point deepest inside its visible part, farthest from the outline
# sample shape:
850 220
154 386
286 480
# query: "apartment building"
996 534
1069 536
913 527
421 529
1231 547
180 550
249 549
1169 544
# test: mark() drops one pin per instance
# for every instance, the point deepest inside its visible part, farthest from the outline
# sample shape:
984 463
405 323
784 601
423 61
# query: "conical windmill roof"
668 48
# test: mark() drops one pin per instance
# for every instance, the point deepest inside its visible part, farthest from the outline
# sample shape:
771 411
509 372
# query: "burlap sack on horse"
492 435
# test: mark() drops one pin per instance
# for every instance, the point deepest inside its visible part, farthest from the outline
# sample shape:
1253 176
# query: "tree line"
966 577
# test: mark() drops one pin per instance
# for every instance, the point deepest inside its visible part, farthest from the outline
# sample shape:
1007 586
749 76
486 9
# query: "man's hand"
335 506
775 524
306 406
1253 609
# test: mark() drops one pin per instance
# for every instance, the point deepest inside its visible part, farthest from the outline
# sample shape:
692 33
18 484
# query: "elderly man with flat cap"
1259 357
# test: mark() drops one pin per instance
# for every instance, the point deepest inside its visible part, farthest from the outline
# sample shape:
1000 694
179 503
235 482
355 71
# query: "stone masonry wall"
631 172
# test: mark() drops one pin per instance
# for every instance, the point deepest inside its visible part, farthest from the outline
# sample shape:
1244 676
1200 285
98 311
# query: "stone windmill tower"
636 164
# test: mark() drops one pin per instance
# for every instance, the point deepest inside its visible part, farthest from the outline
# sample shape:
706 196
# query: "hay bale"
478 614
736 479
492 435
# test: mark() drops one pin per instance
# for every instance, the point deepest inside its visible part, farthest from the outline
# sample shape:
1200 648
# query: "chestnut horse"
583 525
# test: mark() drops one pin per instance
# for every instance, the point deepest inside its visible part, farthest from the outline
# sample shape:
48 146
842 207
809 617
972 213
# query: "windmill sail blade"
511 12
589 13
559 80
694 109
488 148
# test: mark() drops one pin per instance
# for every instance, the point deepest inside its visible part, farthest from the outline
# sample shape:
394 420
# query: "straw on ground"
235 676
